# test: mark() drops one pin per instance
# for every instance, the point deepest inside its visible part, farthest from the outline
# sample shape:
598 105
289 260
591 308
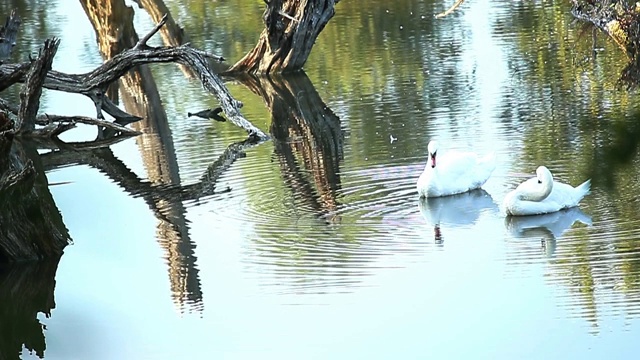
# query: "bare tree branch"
32 88
94 83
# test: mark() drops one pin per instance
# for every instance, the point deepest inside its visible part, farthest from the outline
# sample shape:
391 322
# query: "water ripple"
313 238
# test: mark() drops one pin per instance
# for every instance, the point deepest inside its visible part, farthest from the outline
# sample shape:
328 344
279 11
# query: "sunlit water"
316 245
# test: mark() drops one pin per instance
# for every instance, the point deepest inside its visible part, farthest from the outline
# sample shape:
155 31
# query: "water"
314 244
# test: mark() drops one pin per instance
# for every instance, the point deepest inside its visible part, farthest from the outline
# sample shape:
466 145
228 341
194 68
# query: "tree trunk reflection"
307 137
113 23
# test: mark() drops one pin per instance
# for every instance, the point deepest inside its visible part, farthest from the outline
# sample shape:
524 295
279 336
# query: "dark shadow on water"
306 252
617 152
455 210
26 289
546 228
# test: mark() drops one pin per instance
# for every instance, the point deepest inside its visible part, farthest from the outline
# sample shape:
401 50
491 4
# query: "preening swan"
453 172
542 195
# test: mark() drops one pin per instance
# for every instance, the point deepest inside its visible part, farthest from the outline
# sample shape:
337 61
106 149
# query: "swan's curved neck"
539 191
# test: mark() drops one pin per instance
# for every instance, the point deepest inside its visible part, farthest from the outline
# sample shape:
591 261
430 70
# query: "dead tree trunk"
291 29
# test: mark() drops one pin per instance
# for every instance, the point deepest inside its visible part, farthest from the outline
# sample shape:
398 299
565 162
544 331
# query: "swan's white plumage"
455 172
543 195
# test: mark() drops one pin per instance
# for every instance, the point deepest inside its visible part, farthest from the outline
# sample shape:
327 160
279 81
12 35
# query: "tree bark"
32 88
613 18
32 227
291 29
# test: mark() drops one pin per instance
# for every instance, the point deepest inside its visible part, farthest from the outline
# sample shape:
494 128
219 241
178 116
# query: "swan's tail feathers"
584 189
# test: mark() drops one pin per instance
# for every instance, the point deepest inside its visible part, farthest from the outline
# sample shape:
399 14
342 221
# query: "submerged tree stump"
291 29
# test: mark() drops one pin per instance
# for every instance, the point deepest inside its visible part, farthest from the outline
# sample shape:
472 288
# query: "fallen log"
94 84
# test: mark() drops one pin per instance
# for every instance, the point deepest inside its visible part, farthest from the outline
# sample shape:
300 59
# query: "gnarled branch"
94 83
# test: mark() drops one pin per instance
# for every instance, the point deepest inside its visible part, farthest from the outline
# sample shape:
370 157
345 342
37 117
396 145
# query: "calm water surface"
316 245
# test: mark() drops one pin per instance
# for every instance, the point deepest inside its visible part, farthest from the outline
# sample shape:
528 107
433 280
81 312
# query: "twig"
451 9
142 43
288 16
51 130
68 122
48 119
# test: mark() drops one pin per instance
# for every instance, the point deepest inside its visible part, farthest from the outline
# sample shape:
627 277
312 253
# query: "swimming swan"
454 172
542 195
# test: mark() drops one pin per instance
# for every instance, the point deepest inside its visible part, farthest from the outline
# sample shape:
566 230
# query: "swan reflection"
546 227
456 210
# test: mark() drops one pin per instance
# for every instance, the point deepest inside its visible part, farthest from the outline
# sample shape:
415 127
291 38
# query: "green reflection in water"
384 68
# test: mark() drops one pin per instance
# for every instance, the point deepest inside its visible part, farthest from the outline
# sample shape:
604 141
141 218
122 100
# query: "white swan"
454 172
542 195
